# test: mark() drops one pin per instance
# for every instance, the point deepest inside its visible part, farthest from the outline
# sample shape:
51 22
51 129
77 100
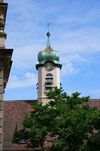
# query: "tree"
66 123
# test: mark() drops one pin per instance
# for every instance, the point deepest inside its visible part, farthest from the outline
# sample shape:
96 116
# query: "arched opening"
48 82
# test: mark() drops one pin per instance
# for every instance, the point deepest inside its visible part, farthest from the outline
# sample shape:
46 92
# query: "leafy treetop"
66 123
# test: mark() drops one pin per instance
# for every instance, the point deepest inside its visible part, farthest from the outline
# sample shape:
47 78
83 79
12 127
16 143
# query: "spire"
48 35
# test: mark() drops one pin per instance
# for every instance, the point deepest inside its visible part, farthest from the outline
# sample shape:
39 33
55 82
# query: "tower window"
48 82
0 138
0 105
1 122
49 76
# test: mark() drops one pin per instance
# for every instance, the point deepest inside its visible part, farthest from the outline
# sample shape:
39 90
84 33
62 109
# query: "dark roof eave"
55 64
5 57
8 68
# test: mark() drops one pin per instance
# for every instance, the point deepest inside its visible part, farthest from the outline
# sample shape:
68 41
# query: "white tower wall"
42 79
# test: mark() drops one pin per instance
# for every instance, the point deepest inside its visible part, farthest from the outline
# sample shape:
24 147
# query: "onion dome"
48 54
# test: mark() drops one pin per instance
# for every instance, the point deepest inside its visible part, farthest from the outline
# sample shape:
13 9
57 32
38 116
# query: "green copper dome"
48 54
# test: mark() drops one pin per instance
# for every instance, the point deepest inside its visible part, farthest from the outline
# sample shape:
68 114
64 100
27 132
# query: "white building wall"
41 81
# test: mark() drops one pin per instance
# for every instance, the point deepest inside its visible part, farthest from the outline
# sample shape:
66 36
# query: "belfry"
48 71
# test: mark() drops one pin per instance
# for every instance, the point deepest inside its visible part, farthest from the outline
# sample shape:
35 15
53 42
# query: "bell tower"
48 71
5 64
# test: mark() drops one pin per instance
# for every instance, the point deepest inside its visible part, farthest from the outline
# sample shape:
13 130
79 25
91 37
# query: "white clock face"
49 66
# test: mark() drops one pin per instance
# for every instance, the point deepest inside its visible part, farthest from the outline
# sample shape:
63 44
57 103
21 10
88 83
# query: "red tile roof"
14 112
95 102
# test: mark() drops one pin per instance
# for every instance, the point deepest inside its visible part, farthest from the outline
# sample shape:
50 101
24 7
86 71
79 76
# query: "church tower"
48 71
5 64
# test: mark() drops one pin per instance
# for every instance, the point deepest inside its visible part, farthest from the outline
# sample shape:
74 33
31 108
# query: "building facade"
5 64
48 71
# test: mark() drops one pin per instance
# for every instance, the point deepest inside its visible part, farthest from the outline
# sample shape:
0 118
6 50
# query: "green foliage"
20 135
67 121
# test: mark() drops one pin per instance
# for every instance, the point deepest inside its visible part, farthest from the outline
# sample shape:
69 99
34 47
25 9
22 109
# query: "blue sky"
75 33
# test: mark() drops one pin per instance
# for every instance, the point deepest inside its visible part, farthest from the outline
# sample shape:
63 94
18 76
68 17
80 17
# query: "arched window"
48 81
49 76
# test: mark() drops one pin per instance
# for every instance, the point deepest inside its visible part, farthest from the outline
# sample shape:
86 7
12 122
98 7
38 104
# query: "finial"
48 35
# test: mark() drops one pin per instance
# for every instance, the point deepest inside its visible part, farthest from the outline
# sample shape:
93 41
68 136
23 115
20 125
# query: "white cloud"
69 69
29 79
78 40
73 57
31 14
95 91
73 63
25 57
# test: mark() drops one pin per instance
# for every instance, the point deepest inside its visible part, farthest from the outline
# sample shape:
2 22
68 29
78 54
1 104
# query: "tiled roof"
14 112
95 102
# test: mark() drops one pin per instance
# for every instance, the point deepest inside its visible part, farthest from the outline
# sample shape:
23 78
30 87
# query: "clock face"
49 66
